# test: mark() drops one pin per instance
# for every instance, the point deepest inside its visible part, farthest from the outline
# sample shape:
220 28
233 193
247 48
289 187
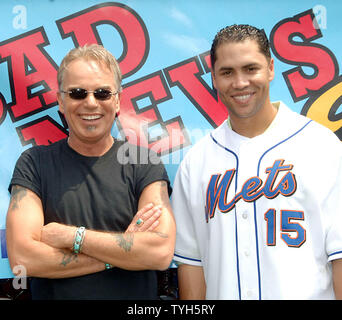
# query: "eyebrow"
99 87
253 64
223 69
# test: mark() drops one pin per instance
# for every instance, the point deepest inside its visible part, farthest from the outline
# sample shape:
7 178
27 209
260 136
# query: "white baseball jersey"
262 216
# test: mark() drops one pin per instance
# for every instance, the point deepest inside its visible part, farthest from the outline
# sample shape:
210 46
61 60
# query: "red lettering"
2 108
82 25
43 131
136 120
30 67
187 76
303 53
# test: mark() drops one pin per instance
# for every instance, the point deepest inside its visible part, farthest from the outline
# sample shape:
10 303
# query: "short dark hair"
237 33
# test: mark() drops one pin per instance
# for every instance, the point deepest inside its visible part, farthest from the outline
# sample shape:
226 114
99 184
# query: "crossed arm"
45 251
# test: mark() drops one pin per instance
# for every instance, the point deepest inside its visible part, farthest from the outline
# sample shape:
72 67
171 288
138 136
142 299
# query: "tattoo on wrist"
68 257
125 241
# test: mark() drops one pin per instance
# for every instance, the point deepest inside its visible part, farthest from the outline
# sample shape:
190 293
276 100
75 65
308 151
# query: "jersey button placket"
246 228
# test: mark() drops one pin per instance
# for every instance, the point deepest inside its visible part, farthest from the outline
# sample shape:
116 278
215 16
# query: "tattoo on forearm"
17 194
125 241
161 234
68 257
164 195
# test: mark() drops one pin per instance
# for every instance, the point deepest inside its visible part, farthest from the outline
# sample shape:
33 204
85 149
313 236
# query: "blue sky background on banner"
177 30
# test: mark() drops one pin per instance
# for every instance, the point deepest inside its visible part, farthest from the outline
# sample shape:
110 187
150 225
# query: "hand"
58 235
149 215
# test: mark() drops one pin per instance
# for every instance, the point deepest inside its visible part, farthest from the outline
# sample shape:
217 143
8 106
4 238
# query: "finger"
150 213
154 225
142 211
150 219
144 215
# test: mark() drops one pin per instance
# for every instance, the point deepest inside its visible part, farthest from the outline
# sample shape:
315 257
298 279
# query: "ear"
61 110
117 104
271 69
60 102
213 79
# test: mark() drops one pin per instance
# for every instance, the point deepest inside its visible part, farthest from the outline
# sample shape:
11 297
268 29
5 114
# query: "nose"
240 81
90 100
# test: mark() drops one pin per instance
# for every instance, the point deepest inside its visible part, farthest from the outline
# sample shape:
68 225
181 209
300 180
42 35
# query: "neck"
91 148
251 127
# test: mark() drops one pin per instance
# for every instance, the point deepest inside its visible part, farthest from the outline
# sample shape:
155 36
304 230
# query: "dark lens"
78 93
102 94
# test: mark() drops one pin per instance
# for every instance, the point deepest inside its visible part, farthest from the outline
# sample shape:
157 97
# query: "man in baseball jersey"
258 202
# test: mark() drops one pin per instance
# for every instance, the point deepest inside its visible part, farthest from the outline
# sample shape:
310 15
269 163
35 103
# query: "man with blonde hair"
85 222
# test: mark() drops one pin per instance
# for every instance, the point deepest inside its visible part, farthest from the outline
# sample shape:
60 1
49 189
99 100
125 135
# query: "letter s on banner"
81 26
303 53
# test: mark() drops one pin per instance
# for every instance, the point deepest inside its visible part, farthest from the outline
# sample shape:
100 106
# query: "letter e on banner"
187 76
135 121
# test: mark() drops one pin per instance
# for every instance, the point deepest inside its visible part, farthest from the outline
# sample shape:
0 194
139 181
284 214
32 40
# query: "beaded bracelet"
78 240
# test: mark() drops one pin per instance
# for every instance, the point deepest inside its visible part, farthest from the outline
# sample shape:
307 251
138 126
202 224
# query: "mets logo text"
252 189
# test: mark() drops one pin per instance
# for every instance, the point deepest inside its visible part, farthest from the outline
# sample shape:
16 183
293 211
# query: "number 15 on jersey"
291 232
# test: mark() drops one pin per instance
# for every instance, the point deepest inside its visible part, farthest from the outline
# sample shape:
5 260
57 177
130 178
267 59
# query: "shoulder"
312 128
204 146
56 146
316 131
315 139
35 153
290 119
324 138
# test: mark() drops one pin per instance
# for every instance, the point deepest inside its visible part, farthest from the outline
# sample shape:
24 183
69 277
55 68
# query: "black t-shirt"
99 193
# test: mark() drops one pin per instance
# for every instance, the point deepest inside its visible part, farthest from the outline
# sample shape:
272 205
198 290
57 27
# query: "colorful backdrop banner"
168 101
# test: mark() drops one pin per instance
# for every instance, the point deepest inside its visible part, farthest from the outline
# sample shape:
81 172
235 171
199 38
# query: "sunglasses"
99 94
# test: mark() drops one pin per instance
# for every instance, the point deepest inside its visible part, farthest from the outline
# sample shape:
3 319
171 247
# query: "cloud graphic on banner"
181 17
187 44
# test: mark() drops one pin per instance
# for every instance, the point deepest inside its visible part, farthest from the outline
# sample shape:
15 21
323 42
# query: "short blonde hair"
90 52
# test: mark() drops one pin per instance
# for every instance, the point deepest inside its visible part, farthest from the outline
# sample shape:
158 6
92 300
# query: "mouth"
243 98
90 117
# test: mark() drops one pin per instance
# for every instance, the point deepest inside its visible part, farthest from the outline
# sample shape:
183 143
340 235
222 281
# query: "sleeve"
333 208
186 250
26 173
149 170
